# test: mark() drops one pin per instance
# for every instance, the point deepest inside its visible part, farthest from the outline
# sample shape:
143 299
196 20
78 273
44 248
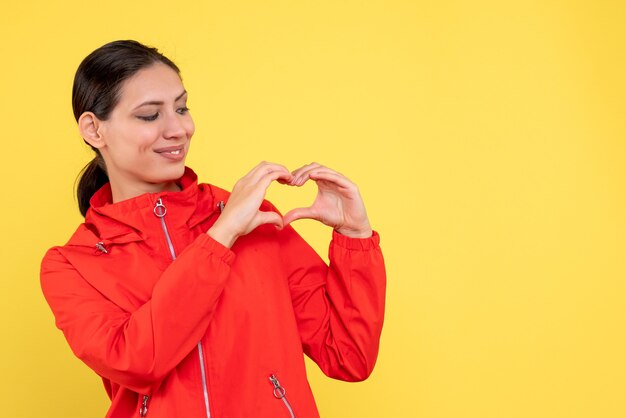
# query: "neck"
128 191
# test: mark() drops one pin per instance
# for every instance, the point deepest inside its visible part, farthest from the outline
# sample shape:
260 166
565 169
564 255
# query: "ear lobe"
89 127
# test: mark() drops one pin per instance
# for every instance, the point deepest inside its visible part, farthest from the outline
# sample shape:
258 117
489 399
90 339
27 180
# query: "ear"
89 127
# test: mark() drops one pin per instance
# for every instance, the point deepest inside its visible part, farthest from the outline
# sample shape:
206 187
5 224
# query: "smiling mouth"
175 153
170 150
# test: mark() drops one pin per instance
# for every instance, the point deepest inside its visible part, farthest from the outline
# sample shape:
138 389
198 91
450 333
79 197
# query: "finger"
263 164
299 213
332 177
313 167
305 167
283 177
272 218
302 178
325 174
300 175
264 168
263 176
304 175
248 195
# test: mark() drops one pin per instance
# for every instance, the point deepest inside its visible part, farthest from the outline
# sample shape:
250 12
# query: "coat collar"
127 220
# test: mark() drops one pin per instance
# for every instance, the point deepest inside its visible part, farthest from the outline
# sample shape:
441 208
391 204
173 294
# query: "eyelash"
180 111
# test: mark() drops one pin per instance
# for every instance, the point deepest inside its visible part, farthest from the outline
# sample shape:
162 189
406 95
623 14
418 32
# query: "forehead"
155 83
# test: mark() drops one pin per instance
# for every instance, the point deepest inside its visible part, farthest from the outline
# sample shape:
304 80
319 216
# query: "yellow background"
488 139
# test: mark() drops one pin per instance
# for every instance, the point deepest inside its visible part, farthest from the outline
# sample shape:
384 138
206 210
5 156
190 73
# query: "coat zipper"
280 393
160 210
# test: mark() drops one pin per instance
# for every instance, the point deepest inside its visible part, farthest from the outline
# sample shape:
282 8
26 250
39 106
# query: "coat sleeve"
138 349
339 308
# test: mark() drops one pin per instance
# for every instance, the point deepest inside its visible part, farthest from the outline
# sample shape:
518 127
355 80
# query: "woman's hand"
242 215
338 203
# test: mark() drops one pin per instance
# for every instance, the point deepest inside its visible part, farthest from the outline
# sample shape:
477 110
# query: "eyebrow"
158 103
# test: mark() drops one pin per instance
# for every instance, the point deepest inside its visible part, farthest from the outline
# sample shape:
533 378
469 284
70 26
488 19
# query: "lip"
166 152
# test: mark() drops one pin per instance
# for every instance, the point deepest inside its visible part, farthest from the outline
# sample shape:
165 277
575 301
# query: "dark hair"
97 86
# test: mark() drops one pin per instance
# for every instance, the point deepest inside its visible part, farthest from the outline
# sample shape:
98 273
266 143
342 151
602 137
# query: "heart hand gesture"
338 203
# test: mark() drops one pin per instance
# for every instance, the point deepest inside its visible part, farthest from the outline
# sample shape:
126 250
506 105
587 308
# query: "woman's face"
146 138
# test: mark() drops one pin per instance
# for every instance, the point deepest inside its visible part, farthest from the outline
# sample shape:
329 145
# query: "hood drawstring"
100 247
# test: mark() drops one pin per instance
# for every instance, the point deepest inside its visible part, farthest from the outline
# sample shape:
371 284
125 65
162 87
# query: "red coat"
216 331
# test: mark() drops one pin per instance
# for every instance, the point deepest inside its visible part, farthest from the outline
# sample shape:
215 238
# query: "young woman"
190 301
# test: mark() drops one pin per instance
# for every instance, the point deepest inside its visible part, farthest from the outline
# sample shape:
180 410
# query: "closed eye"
149 118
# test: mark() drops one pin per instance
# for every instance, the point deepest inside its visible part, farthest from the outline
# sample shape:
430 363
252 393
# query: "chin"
177 172
169 173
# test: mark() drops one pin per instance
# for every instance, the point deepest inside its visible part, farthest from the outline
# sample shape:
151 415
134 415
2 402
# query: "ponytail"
91 178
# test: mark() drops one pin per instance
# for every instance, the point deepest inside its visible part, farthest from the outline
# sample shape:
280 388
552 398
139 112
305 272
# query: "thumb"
298 213
272 218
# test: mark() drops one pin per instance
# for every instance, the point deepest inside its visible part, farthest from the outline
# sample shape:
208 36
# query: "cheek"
135 143
145 137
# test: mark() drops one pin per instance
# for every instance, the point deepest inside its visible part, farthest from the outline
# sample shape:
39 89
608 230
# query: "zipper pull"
100 247
143 411
159 208
221 205
279 391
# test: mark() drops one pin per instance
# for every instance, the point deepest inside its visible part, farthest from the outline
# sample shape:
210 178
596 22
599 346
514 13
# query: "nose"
175 126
